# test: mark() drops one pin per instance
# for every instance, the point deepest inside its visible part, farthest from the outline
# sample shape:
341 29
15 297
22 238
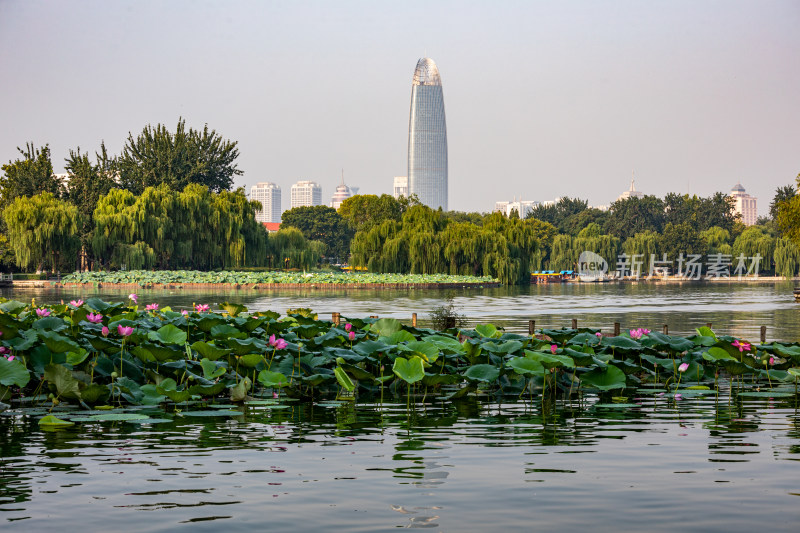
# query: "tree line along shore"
167 202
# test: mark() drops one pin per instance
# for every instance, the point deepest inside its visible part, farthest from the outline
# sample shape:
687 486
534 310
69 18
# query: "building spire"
342 176
633 187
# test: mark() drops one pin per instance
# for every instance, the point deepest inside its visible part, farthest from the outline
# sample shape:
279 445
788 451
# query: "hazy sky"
543 99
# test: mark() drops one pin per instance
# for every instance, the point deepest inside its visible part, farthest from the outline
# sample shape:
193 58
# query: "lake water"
701 464
738 309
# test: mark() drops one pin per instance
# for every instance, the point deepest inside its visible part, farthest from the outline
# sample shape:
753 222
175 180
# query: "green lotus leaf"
485 373
65 383
526 366
409 370
385 327
209 351
446 343
427 350
57 343
487 330
168 334
76 358
273 380
225 331
716 355
343 379
13 373
608 378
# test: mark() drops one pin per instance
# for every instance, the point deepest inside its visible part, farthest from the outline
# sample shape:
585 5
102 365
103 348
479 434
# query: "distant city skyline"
543 99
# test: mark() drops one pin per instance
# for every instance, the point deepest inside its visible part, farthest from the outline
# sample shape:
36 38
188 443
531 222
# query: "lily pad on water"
51 422
765 394
210 412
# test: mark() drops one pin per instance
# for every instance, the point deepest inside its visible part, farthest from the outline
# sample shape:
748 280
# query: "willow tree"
116 236
193 228
288 248
717 241
787 258
753 241
644 244
42 228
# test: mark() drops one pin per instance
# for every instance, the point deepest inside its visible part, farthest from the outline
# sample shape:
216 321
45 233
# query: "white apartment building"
522 207
400 186
745 205
306 193
269 195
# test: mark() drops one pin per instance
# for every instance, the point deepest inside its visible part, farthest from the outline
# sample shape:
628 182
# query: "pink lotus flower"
743 346
132 296
771 361
553 349
94 318
125 331
42 312
76 303
348 327
184 312
638 333
4 350
201 308
678 397
599 335
104 331
278 344
151 307
10 358
684 367
351 336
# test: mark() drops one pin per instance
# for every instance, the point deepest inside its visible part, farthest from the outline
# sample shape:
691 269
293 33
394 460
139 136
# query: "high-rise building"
427 137
269 195
400 186
306 193
745 205
342 193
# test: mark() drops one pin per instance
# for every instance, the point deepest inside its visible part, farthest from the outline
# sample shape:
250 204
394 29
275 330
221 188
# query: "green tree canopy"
630 216
42 229
362 211
680 239
556 213
29 176
324 224
782 194
157 156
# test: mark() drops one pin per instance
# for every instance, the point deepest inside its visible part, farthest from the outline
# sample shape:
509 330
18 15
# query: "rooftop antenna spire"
342 176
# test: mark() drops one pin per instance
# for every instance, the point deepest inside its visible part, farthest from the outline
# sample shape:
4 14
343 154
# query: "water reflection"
738 309
470 465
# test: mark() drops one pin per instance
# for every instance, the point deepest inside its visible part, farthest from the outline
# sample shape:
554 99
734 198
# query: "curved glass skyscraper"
427 137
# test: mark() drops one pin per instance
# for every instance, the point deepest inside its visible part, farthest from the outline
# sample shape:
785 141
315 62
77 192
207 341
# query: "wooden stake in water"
616 329
531 327
574 323
763 334
335 318
666 329
414 319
